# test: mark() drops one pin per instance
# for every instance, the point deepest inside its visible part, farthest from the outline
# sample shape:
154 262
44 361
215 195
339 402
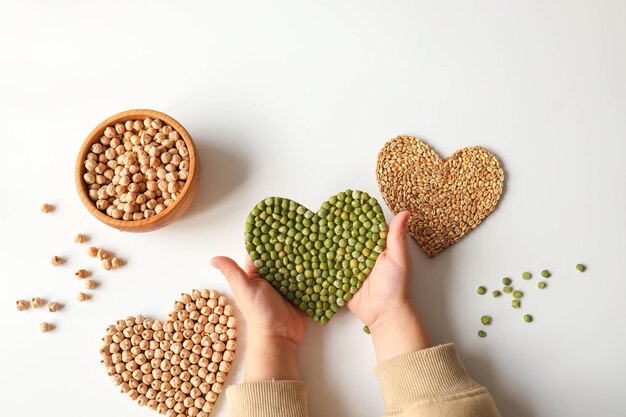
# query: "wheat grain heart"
177 367
447 198
319 260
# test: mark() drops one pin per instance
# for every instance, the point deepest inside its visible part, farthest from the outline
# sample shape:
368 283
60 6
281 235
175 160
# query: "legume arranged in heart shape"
317 261
447 198
175 367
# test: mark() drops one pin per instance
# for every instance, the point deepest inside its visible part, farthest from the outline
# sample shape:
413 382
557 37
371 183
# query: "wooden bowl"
171 213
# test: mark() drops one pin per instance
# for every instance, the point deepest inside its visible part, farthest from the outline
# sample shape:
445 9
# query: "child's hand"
383 303
386 289
274 326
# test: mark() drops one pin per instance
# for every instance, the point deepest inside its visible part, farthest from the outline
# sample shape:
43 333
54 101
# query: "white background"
295 99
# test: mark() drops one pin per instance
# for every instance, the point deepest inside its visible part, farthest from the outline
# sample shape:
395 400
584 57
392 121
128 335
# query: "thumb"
396 240
237 279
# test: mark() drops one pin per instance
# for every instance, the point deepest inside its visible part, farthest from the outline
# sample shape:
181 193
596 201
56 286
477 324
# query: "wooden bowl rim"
135 114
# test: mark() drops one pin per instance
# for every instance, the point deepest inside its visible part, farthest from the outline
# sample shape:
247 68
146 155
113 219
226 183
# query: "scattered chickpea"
106 264
56 260
22 305
45 327
47 208
92 251
91 284
82 297
116 262
53 306
80 238
37 302
82 273
103 254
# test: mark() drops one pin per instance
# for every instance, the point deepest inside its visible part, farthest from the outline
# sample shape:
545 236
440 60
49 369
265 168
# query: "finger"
237 279
249 267
396 240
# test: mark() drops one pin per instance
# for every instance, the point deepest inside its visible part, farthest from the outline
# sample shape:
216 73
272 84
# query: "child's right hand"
383 303
275 327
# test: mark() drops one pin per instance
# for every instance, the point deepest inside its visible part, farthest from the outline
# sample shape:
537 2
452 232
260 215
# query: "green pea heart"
317 261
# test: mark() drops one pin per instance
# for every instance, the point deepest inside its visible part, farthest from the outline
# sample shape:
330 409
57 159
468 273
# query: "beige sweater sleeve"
267 399
430 382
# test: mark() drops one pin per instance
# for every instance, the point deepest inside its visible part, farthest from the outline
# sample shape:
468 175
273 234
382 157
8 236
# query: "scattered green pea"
546 274
507 289
528 318
541 285
581 267
482 333
527 275
516 303
486 320
481 290
496 293
518 294
366 329
507 281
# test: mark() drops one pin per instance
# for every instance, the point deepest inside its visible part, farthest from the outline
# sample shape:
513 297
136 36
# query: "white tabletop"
296 99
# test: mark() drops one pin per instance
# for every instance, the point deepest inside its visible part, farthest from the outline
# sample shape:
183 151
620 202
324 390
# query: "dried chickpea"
109 132
22 305
228 310
45 327
92 251
229 355
91 284
47 208
82 297
53 306
106 264
80 238
116 262
56 260
37 302
82 273
103 254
